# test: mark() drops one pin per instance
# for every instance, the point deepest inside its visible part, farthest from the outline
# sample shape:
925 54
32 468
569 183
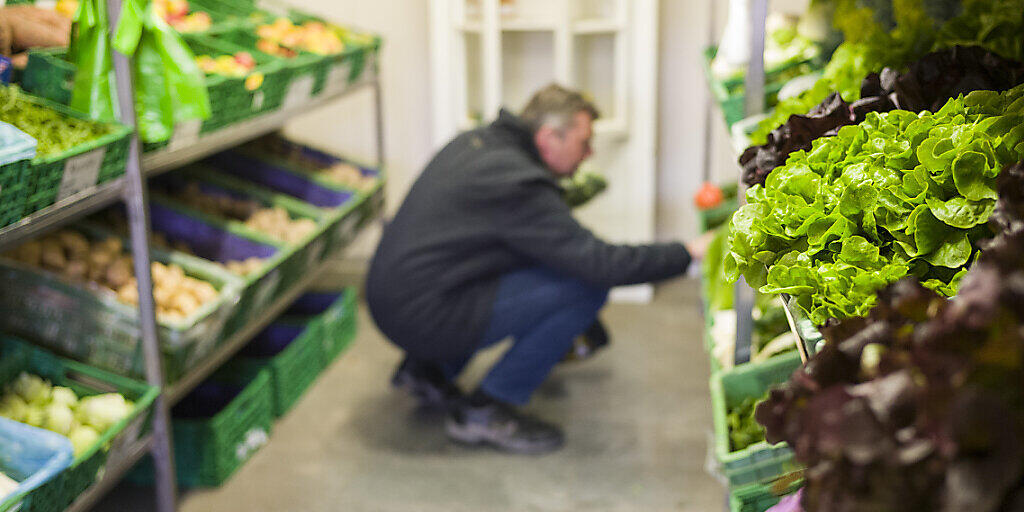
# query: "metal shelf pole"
754 104
138 224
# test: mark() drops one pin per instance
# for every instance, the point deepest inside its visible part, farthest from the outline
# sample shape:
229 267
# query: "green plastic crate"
344 221
717 216
13 176
301 257
729 94
294 369
338 326
208 451
61 491
308 71
97 161
230 100
93 326
256 289
50 76
759 498
760 462
361 52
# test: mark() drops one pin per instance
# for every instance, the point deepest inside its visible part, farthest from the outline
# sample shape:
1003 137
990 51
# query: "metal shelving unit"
754 84
132 190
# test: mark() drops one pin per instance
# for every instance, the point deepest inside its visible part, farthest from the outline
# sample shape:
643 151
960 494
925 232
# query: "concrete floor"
637 420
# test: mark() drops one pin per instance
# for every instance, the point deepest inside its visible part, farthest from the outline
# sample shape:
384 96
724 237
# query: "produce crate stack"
26 374
226 255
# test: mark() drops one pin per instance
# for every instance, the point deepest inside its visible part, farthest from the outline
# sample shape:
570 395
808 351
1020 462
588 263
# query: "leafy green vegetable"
582 187
743 428
874 41
54 132
900 194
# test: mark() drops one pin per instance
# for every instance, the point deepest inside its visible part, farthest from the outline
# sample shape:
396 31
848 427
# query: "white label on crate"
316 251
80 173
299 92
254 439
337 79
185 134
273 7
257 100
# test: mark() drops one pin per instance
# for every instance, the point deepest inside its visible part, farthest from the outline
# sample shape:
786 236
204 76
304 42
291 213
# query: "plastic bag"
93 92
30 455
169 87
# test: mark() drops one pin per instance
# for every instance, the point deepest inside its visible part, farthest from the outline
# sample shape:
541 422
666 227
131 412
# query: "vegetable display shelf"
186 148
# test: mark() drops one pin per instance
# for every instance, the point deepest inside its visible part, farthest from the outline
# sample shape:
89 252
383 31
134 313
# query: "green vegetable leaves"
899 194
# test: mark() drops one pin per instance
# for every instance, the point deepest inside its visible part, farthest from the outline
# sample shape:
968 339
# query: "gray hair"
555 105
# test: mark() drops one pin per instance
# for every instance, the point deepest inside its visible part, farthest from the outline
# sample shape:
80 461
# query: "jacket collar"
510 124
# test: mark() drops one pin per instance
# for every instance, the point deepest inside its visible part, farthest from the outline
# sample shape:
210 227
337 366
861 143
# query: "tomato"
709 196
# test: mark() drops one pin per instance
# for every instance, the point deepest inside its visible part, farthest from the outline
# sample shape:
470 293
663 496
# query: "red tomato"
709 196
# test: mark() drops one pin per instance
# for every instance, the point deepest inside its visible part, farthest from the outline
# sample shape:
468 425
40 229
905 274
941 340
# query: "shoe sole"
474 436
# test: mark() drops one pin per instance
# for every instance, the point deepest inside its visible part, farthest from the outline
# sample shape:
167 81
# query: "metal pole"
138 224
378 107
708 107
754 104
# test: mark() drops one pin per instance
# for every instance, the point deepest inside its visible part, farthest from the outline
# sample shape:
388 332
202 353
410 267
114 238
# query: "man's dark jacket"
486 206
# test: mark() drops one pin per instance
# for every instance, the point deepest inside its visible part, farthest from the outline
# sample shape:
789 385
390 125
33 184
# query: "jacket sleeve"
533 220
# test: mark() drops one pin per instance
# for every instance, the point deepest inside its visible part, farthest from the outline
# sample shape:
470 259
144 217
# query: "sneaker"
587 344
426 383
503 427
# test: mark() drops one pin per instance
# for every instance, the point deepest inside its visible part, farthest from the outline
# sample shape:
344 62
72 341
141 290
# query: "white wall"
346 127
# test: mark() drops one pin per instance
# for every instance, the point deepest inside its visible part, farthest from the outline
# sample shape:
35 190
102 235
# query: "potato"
76 270
112 246
185 302
74 243
172 277
204 292
29 253
53 255
170 316
162 294
129 293
120 272
100 259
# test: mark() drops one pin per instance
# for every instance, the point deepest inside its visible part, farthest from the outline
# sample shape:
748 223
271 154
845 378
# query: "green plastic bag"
93 92
169 87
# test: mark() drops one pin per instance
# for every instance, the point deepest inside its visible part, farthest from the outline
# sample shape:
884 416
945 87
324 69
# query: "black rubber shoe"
502 427
589 343
426 383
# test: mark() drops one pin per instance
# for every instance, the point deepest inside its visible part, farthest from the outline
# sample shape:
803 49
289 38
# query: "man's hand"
699 246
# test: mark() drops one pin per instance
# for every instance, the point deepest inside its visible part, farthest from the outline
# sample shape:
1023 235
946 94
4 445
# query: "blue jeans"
543 311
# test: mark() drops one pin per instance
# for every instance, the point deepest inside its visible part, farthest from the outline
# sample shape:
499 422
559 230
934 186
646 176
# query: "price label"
316 252
272 7
257 100
337 79
185 134
80 173
299 92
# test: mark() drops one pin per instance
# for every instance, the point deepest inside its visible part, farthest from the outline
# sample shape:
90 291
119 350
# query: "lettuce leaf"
899 194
